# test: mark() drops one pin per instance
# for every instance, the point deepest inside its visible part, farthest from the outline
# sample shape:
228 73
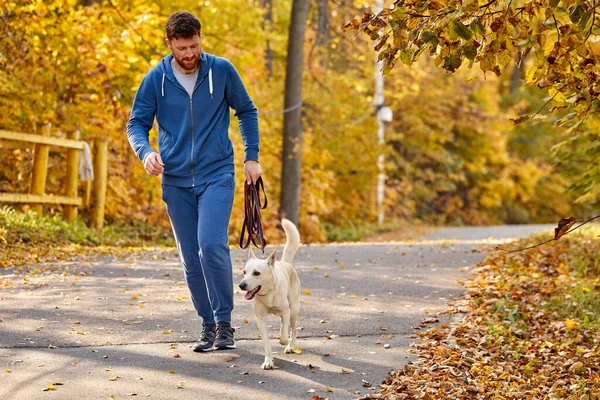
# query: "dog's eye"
256 273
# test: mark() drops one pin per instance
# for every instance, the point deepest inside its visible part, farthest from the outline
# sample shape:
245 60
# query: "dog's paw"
289 350
268 364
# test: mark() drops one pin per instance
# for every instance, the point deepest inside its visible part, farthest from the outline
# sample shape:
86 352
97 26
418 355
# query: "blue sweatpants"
200 219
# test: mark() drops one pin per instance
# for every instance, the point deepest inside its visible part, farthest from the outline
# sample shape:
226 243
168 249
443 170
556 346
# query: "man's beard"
188 65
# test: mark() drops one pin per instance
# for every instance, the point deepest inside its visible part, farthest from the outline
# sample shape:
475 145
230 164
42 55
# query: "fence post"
70 211
100 180
40 168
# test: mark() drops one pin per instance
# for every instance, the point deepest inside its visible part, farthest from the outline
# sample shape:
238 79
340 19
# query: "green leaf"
478 28
470 52
461 30
429 37
576 14
452 63
586 21
406 56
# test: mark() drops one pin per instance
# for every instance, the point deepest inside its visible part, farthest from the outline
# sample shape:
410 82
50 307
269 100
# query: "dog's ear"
251 254
271 259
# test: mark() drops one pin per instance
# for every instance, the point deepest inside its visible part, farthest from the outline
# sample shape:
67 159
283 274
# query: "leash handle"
252 225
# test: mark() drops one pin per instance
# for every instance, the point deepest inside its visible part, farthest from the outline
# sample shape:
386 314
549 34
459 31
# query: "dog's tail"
292 241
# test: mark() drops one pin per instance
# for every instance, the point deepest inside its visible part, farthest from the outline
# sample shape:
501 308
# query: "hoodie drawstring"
163 86
210 83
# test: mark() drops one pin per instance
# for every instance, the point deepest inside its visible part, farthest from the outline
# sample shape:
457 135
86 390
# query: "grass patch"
28 238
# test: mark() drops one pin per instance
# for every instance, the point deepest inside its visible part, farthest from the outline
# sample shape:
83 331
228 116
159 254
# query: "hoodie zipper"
193 130
192 151
192 117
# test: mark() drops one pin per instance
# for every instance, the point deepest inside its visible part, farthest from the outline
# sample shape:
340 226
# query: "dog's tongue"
250 294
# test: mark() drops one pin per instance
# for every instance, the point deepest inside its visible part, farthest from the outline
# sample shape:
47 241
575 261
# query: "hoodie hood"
206 63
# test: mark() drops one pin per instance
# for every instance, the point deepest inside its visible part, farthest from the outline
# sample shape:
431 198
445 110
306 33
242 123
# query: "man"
189 93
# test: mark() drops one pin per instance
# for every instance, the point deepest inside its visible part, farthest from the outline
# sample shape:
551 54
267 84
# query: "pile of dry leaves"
531 330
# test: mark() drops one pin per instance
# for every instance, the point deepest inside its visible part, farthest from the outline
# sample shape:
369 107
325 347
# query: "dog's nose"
243 285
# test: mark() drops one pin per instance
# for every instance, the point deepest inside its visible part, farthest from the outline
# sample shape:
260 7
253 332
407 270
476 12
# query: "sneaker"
207 341
224 338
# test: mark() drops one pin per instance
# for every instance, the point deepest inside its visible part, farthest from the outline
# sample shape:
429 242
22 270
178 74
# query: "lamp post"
383 114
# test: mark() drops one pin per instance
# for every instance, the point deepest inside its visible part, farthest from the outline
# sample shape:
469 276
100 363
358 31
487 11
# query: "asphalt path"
123 328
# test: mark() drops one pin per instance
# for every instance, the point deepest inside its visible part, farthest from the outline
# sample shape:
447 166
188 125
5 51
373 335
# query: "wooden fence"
37 190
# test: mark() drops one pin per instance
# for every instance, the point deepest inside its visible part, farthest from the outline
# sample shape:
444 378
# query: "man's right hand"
153 164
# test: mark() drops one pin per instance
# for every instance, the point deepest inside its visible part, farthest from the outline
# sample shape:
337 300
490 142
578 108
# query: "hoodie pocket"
221 141
165 144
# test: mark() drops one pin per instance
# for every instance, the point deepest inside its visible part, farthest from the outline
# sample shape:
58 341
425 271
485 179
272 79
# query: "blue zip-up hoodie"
193 130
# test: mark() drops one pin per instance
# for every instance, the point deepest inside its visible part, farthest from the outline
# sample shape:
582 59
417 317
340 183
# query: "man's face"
186 52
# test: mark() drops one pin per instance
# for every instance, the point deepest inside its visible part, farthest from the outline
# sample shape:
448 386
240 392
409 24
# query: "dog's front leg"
285 327
262 328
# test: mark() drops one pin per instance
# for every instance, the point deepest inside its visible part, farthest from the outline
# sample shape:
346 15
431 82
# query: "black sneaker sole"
225 347
197 350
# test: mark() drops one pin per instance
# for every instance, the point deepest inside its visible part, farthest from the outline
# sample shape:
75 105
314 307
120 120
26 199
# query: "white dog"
275 288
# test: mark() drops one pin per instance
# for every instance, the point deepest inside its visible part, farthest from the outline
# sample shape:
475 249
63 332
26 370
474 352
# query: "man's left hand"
252 170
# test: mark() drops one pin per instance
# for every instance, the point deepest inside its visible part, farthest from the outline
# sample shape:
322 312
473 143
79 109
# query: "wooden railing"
37 190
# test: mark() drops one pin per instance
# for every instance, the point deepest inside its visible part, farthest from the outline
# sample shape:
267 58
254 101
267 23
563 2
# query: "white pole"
378 102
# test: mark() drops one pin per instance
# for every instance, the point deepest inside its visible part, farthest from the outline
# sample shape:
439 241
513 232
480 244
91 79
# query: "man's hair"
182 25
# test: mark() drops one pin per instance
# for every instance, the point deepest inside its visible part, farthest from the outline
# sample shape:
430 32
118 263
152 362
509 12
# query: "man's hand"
252 170
153 164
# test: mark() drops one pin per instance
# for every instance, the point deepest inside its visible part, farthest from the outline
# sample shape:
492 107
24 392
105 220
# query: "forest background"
452 153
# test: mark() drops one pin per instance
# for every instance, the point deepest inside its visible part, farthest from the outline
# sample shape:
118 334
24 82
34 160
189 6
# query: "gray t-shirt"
187 80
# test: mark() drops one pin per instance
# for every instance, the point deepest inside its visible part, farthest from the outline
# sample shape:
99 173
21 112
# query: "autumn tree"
559 35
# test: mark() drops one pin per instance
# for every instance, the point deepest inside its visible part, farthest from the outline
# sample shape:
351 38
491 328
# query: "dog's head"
258 275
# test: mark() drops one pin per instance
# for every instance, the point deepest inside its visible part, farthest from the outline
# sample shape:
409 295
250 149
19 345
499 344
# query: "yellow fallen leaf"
571 324
113 378
341 265
176 356
173 346
329 388
154 257
134 297
378 342
306 291
325 275
8 371
297 350
49 387
171 371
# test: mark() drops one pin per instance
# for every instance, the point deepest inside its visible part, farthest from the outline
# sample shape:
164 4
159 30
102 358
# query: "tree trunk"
267 24
517 75
90 2
322 23
292 122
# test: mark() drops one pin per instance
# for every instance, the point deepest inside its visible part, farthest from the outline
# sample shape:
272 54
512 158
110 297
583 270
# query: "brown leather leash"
252 222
